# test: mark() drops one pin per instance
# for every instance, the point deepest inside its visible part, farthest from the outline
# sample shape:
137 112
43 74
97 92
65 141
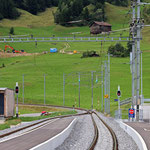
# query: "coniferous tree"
78 10
41 5
11 31
31 6
8 10
19 3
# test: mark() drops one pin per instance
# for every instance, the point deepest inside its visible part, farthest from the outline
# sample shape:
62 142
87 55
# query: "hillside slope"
116 15
46 18
29 20
28 23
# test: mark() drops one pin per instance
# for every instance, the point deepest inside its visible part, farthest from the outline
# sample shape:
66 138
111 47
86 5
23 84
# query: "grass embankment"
54 65
25 109
34 109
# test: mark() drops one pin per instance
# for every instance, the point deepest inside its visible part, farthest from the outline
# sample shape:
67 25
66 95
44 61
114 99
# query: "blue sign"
131 113
115 100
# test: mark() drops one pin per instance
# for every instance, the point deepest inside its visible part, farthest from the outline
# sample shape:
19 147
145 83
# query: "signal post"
17 91
119 95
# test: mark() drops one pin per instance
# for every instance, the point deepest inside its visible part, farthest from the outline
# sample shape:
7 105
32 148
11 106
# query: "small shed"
99 27
7 102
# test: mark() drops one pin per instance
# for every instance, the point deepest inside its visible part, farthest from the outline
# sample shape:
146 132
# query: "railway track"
114 138
84 112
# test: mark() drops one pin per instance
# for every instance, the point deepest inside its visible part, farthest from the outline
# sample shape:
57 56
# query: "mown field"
55 65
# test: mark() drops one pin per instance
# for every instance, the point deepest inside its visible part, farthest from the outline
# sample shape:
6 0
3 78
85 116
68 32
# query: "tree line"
83 10
119 2
8 7
68 10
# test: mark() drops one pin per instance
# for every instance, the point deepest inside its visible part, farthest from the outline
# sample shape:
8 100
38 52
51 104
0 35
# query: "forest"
67 10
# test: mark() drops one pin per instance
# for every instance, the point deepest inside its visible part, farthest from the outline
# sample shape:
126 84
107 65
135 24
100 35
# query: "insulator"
134 20
131 24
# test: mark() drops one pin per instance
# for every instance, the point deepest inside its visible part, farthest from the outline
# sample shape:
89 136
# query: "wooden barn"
7 102
99 27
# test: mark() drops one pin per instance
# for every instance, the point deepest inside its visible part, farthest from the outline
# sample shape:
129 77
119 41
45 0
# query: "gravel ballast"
125 142
105 141
81 136
83 133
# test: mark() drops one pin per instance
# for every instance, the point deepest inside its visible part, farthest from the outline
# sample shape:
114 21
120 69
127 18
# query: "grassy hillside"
54 65
29 20
113 12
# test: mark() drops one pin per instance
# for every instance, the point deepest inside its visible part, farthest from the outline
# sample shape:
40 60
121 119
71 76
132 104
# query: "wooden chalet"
99 27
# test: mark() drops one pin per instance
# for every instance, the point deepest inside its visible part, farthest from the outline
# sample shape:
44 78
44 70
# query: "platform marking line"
54 136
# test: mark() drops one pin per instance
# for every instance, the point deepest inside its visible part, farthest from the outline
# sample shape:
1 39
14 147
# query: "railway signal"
119 94
17 91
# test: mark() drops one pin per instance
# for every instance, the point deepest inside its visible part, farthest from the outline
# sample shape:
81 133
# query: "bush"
89 54
119 51
11 31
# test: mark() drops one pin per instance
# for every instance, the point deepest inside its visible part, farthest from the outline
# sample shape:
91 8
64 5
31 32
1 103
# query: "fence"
126 101
81 89
36 89
123 114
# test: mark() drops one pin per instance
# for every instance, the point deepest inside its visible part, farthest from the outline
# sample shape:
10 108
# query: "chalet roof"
5 88
101 23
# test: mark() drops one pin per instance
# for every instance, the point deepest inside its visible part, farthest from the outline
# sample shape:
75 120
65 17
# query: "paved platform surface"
143 128
146 111
34 138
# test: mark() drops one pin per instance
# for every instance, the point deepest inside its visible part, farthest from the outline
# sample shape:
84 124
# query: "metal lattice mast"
108 83
133 52
23 88
105 86
79 89
44 90
138 59
92 74
141 81
63 89
102 86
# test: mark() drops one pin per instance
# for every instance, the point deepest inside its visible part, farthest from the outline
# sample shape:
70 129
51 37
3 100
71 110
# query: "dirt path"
6 55
66 46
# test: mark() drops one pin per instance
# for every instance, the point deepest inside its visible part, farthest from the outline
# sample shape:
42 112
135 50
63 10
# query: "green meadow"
34 66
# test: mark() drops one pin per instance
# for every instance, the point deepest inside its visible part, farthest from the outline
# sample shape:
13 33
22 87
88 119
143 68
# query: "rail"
115 141
93 144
